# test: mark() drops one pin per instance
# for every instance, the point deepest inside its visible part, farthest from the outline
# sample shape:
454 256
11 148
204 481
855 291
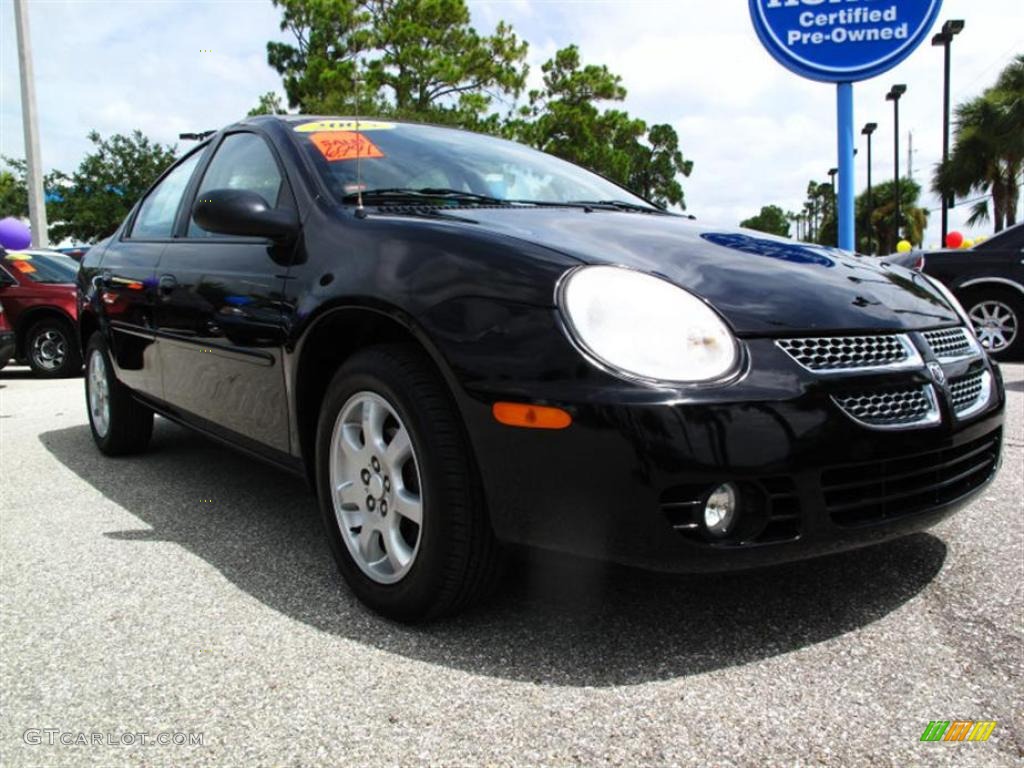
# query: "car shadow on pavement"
554 621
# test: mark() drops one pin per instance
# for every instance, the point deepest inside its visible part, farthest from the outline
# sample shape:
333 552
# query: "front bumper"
626 481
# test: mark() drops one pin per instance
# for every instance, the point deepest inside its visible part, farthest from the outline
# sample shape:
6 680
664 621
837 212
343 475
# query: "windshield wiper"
621 205
393 194
396 194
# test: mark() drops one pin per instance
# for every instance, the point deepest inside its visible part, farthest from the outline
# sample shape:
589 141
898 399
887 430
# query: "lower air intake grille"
860 494
844 353
890 408
950 344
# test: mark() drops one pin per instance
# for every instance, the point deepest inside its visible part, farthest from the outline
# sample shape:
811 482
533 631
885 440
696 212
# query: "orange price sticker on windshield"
23 266
345 145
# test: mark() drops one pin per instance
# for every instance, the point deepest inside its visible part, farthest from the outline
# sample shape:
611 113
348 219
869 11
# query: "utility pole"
33 162
910 155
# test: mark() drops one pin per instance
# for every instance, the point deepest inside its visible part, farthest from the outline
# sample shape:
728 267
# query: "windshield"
445 163
41 267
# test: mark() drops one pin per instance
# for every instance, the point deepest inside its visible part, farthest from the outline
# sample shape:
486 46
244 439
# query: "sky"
756 132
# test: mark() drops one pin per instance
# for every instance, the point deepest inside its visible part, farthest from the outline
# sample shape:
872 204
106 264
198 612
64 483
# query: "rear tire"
120 424
455 559
52 349
996 314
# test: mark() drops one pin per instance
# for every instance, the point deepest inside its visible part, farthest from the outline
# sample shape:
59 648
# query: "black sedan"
464 344
989 281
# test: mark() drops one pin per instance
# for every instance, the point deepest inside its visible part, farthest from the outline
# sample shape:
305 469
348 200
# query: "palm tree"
877 225
988 150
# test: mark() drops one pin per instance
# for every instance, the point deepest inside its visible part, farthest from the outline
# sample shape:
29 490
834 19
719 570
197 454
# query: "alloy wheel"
375 485
995 323
99 393
49 348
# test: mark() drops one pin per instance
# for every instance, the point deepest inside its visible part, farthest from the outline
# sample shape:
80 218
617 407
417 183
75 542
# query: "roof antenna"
360 211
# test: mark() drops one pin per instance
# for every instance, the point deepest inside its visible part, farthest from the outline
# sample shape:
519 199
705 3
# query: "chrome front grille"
892 407
950 344
970 393
830 354
890 404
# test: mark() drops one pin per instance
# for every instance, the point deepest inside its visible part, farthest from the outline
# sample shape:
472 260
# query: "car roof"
291 120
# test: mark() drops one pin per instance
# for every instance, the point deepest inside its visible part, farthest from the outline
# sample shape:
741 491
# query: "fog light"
720 510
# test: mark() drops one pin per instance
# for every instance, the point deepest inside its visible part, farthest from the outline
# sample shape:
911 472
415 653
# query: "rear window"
41 267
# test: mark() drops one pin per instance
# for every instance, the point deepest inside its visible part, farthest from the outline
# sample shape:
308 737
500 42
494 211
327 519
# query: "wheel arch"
332 338
88 324
990 281
33 315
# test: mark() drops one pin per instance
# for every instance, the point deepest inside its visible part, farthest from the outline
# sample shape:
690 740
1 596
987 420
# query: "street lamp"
868 130
894 95
833 172
945 39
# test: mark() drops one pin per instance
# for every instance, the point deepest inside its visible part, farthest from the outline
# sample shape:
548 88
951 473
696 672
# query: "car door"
1012 250
218 310
127 279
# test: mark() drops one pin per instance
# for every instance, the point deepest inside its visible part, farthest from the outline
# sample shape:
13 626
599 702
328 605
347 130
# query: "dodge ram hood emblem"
938 375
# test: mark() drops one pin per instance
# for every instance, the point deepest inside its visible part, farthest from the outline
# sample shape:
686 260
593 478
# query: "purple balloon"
14 236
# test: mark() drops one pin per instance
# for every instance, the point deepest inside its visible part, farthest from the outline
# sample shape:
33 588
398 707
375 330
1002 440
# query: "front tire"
996 314
398 489
52 349
120 424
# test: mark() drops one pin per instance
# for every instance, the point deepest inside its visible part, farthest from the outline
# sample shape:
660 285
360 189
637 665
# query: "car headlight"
643 327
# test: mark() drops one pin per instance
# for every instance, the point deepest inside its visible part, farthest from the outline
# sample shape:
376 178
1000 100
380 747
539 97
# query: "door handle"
166 284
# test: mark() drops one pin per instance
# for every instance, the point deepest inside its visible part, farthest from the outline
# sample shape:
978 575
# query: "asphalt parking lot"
189 591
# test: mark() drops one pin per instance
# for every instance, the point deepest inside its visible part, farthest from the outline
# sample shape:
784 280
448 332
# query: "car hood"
762 285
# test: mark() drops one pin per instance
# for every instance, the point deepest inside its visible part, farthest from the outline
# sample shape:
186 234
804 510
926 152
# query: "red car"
6 339
37 290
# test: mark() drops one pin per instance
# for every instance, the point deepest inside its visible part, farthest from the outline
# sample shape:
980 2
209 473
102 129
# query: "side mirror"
244 213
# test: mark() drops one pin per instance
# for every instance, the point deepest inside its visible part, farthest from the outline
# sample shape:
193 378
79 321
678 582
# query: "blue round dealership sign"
842 41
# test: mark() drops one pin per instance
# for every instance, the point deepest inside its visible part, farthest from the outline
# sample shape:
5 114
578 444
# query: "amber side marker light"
531 416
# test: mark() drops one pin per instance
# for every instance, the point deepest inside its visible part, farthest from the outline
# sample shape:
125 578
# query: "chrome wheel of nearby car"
995 323
99 393
375 479
49 348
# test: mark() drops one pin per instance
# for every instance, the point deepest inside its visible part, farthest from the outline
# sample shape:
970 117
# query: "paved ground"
189 591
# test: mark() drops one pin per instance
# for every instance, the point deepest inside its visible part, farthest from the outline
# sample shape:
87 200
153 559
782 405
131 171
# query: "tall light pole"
33 163
945 39
832 173
868 130
894 95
